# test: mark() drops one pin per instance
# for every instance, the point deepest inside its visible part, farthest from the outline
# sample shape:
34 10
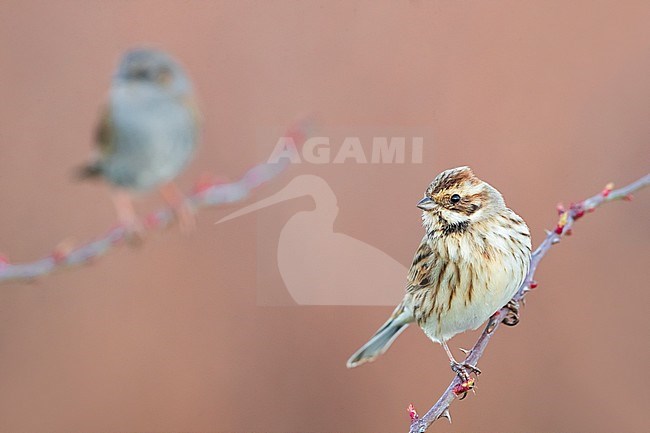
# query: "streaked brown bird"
474 256
147 133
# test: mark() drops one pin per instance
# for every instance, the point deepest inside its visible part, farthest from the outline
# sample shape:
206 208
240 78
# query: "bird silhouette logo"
320 266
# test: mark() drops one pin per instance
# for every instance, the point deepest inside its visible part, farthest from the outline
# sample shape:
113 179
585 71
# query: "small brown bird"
147 133
474 256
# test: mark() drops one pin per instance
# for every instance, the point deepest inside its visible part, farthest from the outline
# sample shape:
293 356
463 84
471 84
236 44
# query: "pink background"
547 101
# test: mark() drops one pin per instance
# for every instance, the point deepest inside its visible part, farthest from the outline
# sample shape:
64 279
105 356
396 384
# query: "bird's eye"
139 74
454 199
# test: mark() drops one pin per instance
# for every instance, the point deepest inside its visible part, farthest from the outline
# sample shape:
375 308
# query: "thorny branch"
205 194
565 224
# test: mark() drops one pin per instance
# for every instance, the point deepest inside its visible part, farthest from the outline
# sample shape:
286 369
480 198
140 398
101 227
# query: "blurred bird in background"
474 256
147 134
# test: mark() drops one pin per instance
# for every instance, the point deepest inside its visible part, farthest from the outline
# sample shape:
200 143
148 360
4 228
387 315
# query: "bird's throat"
456 227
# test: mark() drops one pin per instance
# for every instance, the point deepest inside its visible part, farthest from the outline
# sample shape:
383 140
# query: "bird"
147 133
474 256
317 264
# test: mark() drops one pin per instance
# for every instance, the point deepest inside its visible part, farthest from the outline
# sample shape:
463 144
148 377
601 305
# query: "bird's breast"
471 275
154 136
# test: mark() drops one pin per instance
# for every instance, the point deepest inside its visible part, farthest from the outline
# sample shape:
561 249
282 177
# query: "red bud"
412 412
59 255
207 181
62 250
608 188
463 387
151 220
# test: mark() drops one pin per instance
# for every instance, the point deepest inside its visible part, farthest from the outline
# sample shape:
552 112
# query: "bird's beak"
426 204
296 188
278 197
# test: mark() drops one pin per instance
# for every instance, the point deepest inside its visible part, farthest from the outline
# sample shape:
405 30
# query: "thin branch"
204 195
563 228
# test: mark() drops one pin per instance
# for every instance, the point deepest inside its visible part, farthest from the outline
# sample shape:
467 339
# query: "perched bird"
472 259
147 133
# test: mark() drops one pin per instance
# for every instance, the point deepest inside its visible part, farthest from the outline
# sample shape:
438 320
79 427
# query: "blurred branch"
563 228
204 195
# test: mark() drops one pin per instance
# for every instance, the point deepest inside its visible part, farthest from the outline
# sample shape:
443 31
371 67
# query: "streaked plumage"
472 259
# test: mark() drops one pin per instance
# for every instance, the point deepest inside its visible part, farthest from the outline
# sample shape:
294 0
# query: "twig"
563 228
204 195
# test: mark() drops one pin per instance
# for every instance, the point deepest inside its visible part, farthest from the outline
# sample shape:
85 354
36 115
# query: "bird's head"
456 199
154 67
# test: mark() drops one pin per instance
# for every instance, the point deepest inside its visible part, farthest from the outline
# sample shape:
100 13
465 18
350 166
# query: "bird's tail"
88 171
383 338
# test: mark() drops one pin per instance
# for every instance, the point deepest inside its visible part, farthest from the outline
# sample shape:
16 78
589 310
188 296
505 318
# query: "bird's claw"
134 233
512 317
186 217
183 210
464 370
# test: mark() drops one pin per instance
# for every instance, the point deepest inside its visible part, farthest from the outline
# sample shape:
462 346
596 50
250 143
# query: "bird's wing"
104 147
420 271
193 106
104 135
